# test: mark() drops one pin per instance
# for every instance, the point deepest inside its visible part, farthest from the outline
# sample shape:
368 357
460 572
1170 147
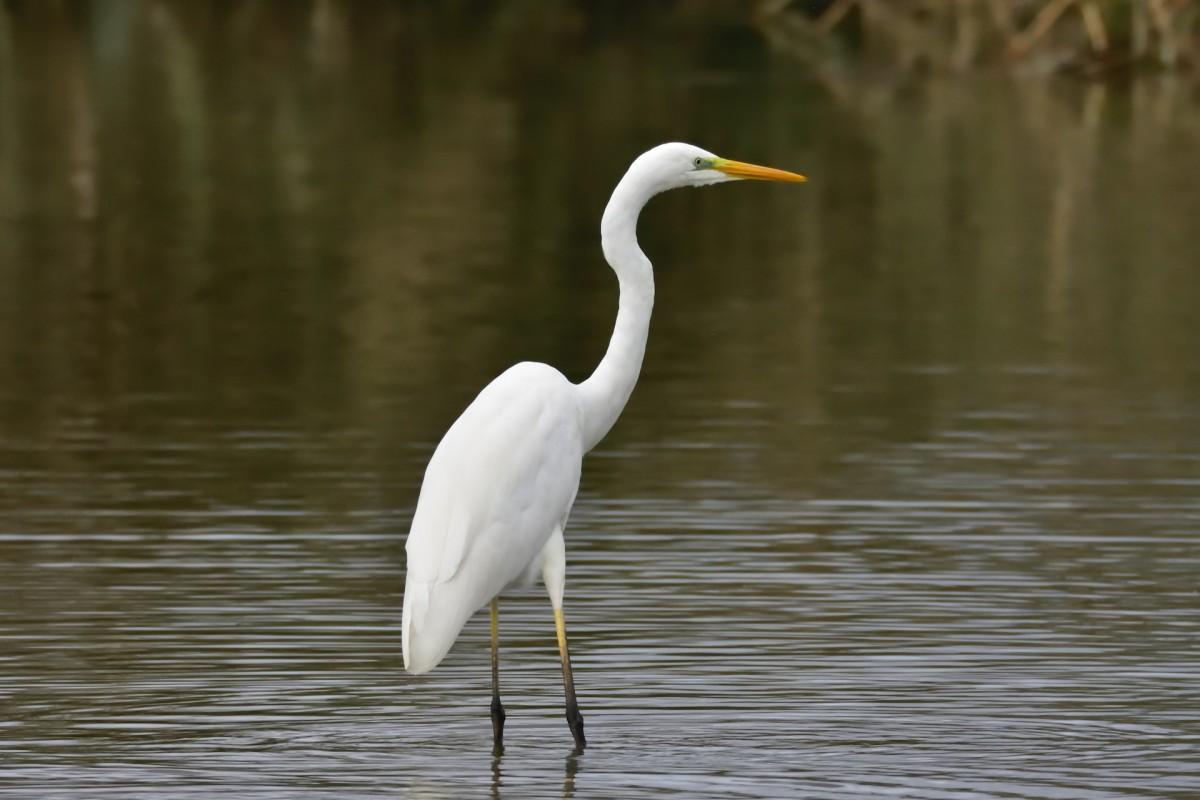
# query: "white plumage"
501 481
500 485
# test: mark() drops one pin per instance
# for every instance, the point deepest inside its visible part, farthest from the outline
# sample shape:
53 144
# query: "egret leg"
554 574
574 718
497 707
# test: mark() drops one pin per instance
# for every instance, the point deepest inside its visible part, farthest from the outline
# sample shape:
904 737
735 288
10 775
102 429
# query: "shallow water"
906 504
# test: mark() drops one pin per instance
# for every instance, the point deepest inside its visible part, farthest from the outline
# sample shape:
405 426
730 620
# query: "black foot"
498 716
575 721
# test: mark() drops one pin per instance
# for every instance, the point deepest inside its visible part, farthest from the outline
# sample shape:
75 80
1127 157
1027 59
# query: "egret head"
672 165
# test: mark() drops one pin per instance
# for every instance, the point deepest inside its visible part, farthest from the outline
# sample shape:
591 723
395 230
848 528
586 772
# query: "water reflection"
570 770
906 501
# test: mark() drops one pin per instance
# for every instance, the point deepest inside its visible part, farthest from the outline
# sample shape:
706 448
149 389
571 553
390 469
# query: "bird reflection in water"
570 769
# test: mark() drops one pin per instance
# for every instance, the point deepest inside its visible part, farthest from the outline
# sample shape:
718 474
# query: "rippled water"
907 503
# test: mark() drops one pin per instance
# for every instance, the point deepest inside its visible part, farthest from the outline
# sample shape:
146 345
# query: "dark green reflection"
907 490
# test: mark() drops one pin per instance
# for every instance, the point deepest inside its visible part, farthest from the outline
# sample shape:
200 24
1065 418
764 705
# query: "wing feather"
502 478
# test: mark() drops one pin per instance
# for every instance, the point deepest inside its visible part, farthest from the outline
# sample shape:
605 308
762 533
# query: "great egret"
500 485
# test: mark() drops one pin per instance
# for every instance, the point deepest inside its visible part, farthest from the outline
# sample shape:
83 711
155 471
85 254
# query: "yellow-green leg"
574 718
554 571
497 707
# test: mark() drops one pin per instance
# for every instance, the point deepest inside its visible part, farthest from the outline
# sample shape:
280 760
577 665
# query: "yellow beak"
739 169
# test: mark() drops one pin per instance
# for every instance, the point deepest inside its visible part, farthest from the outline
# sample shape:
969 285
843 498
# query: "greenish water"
906 503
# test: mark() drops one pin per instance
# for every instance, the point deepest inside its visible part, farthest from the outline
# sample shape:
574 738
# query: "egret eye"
698 162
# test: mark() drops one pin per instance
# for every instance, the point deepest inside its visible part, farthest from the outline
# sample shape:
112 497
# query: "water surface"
906 503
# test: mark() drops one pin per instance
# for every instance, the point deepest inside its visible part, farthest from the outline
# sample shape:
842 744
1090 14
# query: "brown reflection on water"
908 490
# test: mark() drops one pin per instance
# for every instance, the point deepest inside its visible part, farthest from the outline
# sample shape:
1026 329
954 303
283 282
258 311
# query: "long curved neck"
604 394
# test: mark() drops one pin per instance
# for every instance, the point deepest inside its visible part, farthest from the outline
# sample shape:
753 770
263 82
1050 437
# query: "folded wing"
502 478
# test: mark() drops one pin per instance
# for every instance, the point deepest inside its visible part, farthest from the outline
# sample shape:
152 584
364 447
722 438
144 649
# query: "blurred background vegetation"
930 422
1091 37
321 213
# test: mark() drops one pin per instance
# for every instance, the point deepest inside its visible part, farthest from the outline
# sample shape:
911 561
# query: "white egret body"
500 485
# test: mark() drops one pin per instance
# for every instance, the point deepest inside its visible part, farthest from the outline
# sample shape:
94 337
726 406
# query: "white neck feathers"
604 394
